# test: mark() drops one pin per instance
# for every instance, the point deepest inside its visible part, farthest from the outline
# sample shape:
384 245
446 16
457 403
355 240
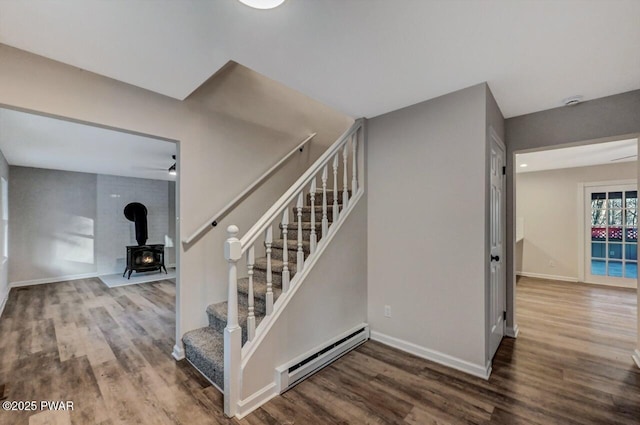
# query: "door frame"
582 239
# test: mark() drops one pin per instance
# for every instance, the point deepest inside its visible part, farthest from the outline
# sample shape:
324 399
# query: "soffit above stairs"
362 58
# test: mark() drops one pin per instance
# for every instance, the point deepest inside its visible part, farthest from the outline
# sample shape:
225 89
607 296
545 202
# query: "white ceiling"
361 57
37 141
578 156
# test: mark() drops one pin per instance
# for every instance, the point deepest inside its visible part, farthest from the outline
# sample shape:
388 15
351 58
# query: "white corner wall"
426 208
547 201
4 227
331 300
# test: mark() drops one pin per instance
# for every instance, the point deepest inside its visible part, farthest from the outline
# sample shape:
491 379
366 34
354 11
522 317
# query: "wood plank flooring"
108 351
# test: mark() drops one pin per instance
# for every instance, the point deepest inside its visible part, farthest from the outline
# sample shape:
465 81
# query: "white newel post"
313 238
232 332
345 179
325 219
251 317
354 179
285 251
335 187
300 257
268 240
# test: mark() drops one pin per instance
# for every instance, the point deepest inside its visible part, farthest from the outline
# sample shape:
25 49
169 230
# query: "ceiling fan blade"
624 157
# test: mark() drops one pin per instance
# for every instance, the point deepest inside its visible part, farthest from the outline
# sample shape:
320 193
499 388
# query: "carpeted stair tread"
259 290
306 225
204 347
292 244
218 312
276 265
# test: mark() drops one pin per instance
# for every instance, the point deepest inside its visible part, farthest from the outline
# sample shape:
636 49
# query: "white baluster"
251 317
300 259
325 220
285 251
313 240
268 240
232 332
335 187
354 179
345 184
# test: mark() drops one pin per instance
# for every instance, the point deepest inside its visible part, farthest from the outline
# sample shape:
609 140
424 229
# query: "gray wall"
4 227
52 222
65 224
426 226
605 118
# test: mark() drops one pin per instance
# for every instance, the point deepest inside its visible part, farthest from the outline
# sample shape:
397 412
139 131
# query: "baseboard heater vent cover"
292 373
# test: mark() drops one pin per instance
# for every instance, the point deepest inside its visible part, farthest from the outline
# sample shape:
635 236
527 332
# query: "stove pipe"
137 213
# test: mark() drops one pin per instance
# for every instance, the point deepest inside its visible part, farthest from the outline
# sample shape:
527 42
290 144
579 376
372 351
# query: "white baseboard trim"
256 400
436 356
178 352
4 299
548 276
52 280
636 356
512 332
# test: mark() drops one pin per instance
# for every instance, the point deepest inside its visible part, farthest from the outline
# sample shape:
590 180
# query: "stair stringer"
329 298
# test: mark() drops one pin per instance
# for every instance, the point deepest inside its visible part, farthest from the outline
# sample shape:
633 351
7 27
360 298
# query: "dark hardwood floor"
108 351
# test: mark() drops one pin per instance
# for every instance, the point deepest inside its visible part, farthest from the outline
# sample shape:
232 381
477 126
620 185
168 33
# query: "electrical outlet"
387 311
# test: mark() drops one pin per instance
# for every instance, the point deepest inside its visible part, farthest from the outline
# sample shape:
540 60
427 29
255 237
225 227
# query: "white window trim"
580 210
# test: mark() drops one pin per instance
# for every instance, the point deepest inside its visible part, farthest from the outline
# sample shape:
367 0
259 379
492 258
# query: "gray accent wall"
52 222
114 232
66 224
427 227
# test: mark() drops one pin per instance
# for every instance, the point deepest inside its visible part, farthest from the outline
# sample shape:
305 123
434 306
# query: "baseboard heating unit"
290 374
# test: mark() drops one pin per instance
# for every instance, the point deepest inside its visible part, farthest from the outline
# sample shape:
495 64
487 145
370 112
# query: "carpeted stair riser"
217 314
318 199
259 294
306 214
260 271
204 348
277 250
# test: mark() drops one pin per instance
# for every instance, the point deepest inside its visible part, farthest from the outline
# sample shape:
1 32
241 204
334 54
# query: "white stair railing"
262 232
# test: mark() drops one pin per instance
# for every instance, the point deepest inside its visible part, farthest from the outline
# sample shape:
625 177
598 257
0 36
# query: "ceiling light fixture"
262 4
573 100
524 165
172 170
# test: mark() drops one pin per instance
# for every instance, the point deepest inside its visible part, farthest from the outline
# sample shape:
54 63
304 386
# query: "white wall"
332 300
4 234
65 224
427 182
548 203
114 232
231 130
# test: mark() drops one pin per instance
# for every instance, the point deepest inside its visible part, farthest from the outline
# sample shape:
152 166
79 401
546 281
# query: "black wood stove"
141 257
144 258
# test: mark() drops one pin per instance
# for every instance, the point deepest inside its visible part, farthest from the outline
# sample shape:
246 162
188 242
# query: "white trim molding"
5 298
548 276
52 280
178 352
256 400
512 332
444 359
636 356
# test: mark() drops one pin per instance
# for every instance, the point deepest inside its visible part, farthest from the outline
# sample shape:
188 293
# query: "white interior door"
497 217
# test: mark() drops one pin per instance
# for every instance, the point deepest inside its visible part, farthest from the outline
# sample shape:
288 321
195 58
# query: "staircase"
236 327
204 347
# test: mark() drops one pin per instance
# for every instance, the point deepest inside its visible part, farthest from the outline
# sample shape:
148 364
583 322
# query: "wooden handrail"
250 237
213 221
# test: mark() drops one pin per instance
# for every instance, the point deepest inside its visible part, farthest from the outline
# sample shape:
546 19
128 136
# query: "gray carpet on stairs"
204 347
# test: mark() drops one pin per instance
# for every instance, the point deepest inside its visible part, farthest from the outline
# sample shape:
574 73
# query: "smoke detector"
573 100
